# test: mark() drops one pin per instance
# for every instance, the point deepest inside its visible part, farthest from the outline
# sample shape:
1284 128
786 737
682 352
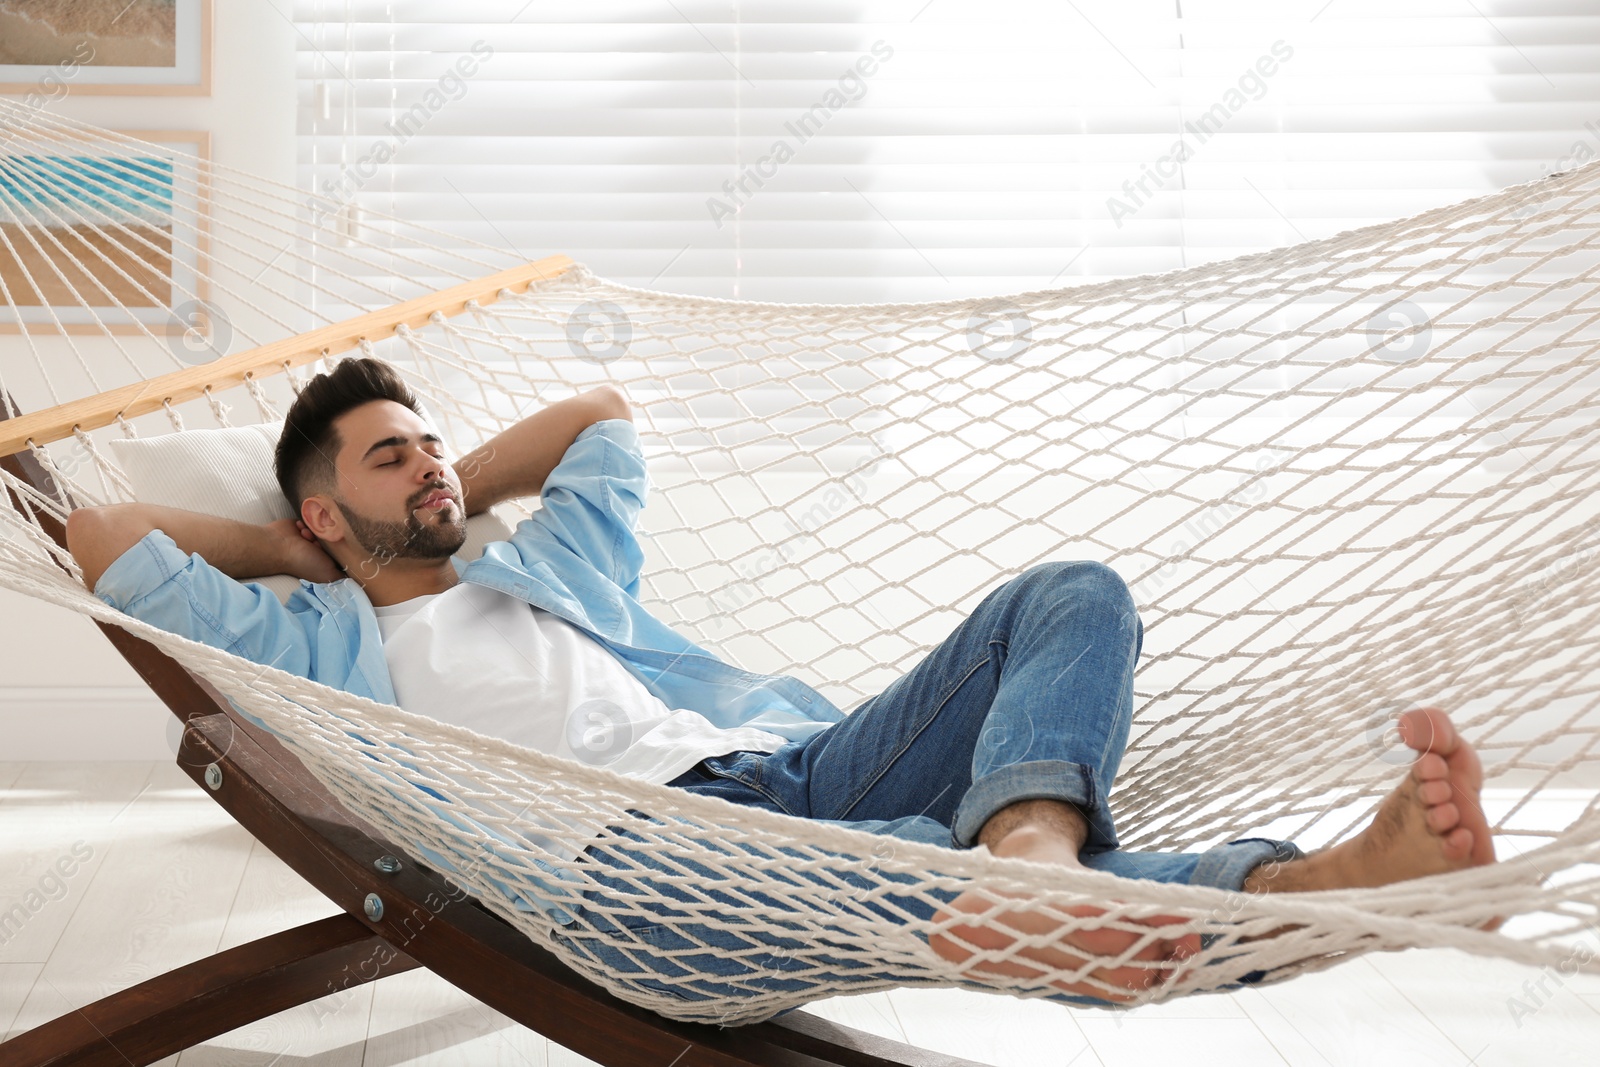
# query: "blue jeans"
1030 697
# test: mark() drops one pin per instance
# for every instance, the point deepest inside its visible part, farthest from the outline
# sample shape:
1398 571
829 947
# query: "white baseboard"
63 722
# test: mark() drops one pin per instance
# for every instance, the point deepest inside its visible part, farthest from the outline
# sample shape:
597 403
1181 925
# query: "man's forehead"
379 422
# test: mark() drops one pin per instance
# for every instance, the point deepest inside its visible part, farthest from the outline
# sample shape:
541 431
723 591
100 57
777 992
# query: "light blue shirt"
577 556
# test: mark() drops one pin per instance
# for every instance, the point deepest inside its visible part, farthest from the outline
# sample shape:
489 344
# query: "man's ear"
320 518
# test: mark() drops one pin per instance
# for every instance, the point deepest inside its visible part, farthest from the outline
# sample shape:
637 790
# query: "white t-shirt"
483 659
499 666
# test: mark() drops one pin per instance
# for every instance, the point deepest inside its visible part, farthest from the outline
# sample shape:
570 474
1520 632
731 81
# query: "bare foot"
1159 956
1432 822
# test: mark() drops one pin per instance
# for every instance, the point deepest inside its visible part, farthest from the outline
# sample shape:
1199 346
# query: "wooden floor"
158 876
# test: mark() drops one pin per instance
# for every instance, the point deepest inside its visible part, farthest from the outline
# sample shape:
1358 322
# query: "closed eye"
394 462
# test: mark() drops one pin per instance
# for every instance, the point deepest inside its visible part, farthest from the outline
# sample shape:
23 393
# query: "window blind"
930 149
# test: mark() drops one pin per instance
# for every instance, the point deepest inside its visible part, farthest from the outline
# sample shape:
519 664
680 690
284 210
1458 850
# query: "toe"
1458 843
1435 791
1182 948
1442 818
1430 766
1428 730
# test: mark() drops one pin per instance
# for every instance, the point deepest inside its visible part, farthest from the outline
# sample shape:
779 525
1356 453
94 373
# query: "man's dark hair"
303 459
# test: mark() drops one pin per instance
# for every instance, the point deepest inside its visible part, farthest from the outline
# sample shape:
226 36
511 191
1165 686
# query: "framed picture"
110 239
49 48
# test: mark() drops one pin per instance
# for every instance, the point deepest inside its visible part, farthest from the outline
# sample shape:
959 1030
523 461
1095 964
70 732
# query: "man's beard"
386 539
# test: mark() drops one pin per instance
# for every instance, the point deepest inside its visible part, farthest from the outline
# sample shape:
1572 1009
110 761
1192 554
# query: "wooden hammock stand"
426 921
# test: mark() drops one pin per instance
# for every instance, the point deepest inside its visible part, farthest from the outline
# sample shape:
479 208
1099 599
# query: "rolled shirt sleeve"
157 582
591 501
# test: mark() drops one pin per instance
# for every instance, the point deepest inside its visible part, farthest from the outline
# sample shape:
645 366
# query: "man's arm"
590 505
98 536
132 560
516 462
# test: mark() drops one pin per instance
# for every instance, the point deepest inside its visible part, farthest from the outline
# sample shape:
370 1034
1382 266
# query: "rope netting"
1341 479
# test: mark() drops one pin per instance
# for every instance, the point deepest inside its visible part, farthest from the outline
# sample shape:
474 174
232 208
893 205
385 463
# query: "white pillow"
228 473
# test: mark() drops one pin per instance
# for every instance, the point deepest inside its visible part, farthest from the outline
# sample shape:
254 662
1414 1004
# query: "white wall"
65 693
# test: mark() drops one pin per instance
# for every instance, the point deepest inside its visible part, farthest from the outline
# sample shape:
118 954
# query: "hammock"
1342 478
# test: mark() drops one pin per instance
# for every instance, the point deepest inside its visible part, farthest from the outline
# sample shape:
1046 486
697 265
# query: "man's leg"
1029 699
1431 822
1031 696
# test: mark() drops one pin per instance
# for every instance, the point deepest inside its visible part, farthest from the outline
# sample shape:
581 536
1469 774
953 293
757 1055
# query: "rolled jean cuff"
1035 780
1227 866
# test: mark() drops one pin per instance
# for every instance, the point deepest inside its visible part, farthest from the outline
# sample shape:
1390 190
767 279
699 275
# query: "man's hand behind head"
303 555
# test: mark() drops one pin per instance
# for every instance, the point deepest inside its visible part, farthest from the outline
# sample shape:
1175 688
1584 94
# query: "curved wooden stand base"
181 1008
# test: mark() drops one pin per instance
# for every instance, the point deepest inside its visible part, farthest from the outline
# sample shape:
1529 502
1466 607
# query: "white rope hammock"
1323 522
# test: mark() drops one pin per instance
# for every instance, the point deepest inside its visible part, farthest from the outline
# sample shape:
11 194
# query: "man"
1006 736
